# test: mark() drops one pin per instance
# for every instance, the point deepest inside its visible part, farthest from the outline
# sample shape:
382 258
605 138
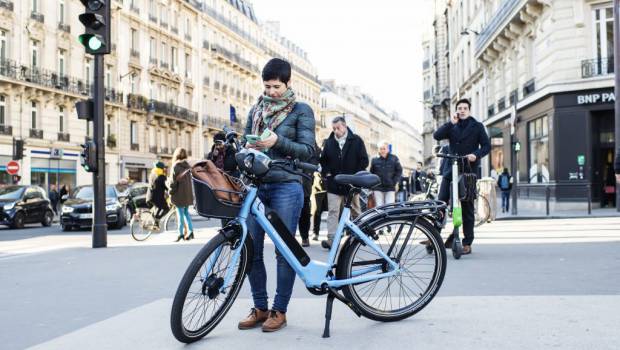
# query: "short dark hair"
464 100
339 119
420 163
277 69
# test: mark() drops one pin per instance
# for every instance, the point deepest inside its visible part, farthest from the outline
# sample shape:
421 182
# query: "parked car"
77 209
135 197
24 205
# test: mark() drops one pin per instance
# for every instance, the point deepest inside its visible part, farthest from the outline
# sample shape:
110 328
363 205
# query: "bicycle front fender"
233 233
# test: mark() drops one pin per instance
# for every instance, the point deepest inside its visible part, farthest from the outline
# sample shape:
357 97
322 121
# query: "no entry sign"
12 167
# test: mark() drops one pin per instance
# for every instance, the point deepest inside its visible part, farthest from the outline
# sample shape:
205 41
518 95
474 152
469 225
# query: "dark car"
135 197
77 209
24 205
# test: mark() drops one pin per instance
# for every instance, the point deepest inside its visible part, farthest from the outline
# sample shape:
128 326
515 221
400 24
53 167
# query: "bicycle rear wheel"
171 221
141 225
199 304
402 295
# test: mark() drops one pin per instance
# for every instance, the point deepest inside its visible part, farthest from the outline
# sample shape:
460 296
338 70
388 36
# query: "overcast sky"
373 44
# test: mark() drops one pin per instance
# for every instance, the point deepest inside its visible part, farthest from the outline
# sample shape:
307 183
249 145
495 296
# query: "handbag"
371 201
223 185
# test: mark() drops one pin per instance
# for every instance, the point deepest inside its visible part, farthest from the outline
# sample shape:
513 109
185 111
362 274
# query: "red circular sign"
12 167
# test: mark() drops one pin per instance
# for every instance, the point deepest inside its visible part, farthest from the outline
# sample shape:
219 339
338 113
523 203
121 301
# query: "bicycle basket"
217 194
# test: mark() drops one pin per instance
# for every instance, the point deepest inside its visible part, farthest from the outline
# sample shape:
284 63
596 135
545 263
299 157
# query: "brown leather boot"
254 319
275 322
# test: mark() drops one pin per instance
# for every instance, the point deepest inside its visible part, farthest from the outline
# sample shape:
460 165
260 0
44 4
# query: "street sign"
581 159
56 153
12 167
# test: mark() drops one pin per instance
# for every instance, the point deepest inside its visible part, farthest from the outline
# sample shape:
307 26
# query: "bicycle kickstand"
328 313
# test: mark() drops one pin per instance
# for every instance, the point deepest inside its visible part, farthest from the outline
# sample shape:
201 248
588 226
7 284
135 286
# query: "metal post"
589 194
100 238
547 197
617 87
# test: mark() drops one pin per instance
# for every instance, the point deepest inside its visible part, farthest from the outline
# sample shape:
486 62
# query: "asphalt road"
538 284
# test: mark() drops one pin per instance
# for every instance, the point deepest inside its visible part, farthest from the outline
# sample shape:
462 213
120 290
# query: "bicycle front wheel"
141 225
202 300
404 294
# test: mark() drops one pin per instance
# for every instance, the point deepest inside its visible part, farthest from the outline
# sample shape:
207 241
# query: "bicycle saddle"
362 179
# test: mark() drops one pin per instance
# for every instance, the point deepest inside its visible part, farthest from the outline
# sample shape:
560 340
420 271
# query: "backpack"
504 182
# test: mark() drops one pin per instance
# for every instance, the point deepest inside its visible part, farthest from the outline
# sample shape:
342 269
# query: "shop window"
538 136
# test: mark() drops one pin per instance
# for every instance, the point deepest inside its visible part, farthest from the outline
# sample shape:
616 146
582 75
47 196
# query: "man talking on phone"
468 138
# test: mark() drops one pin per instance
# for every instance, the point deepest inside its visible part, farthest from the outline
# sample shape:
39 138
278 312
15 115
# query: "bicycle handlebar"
450 156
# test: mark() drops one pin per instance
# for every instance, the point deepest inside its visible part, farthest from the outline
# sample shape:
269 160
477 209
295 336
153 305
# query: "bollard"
547 197
589 189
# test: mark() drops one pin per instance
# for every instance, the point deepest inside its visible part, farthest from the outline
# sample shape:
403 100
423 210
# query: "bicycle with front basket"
376 265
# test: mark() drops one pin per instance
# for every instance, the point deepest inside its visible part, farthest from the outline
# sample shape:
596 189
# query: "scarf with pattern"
270 112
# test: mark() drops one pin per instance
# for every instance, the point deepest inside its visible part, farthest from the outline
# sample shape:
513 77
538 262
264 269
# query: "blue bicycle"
380 271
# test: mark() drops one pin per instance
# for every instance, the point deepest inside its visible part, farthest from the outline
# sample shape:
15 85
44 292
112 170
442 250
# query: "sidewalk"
529 213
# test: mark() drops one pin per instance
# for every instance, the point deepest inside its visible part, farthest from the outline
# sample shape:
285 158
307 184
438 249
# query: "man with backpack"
505 185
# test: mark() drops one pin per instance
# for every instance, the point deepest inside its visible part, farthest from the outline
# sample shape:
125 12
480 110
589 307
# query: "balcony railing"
64 27
153 61
7 5
37 16
597 66
6 130
64 137
188 37
152 18
163 24
135 146
164 150
135 53
206 81
214 122
113 96
139 102
164 65
36 133
205 44
175 30
196 4
111 141
529 87
153 149
134 9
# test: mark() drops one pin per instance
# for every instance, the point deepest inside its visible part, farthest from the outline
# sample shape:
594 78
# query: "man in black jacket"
388 168
343 153
468 138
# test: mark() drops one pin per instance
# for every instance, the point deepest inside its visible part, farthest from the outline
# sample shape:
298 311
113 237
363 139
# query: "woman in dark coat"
156 193
181 193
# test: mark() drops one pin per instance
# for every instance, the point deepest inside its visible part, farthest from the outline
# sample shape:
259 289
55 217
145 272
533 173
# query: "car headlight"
66 209
9 206
112 207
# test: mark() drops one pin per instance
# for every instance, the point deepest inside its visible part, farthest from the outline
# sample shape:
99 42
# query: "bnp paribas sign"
595 98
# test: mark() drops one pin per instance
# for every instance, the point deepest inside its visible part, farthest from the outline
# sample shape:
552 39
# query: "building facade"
540 73
179 71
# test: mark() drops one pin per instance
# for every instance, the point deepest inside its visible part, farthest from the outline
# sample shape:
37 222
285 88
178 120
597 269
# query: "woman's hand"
268 142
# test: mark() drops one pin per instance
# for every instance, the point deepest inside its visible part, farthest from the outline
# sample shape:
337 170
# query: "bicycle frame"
315 273
457 212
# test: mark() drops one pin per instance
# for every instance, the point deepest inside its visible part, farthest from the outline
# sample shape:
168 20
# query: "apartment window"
33 115
134 39
164 15
173 59
2 109
164 52
133 133
188 100
538 136
61 119
152 8
188 65
132 83
35 5
153 49
188 28
34 53
3 46
61 11
604 39
108 77
61 63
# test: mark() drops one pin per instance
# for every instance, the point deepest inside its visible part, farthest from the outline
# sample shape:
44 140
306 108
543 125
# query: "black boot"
190 236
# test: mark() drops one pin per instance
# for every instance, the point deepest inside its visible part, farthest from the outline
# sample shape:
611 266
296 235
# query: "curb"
509 218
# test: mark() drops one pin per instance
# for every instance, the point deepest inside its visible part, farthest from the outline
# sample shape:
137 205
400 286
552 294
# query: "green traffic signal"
91 41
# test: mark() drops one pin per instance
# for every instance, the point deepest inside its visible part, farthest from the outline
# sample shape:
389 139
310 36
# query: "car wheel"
65 228
18 220
48 218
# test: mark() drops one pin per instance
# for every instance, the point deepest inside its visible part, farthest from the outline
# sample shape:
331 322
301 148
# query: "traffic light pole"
617 87
100 234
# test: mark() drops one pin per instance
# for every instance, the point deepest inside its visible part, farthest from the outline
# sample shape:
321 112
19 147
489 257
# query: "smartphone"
252 139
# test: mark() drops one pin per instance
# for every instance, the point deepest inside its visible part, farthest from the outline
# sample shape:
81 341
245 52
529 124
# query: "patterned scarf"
270 112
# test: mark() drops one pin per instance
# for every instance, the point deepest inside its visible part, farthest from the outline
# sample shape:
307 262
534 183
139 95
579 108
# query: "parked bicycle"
482 208
375 266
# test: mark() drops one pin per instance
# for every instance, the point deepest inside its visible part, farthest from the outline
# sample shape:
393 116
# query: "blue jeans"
287 200
182 215
505 200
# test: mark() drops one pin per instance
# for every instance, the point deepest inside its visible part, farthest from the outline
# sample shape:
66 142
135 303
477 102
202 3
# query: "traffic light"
97 22
517 146
18 149
88 157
